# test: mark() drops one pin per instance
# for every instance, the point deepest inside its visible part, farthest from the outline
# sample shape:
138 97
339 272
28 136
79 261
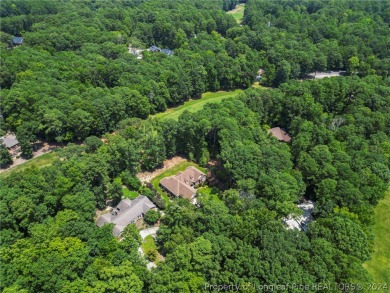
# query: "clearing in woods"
238 12
379 264
196 104
39 162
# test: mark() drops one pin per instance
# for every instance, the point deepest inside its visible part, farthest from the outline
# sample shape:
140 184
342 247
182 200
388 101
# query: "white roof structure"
302 221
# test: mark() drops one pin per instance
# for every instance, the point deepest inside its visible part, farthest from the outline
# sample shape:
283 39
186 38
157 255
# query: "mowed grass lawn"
196 105
238 13
39 162
172 171
130 194
148 244
379 264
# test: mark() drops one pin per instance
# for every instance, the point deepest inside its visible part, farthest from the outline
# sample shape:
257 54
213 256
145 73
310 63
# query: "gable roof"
154 49
125 212
280 134
9 140
17 40
157 49
167 52
178 188
180 184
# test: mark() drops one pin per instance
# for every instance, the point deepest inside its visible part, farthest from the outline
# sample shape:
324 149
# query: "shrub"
151 217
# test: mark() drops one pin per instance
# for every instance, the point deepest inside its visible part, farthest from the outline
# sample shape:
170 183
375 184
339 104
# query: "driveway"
149 231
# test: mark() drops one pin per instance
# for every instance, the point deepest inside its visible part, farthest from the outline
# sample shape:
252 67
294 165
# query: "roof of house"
301 222
180 184
17 40
154 49
167 52
280 134
9 140
125 212
157 49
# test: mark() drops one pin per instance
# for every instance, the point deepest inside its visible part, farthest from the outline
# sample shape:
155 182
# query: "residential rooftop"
182 184
126 212
280 134
9 140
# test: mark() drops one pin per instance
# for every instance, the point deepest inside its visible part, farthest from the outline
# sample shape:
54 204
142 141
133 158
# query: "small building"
11 143
183 184
17 41
125 213
167 52
154 49
280 134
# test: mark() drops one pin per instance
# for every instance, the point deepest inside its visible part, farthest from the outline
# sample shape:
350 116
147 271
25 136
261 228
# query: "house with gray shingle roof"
125 213
17 41
9 141
167 52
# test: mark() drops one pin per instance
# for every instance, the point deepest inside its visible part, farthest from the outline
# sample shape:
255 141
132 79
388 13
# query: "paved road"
149 231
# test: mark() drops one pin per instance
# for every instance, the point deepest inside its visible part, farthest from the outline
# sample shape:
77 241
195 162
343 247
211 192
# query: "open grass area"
172 171
379 264
130 194
208 192
238 13
40 162
196 105
148 244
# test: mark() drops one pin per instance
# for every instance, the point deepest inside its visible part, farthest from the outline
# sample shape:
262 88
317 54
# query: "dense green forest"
73 79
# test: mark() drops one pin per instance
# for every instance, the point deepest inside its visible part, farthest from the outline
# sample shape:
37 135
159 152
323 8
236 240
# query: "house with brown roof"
280 134
125 213
183 183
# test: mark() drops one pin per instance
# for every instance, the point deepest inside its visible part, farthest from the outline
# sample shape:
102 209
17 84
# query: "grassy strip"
148 244
379 264
130 194
172 171
238 13
39 162
196 105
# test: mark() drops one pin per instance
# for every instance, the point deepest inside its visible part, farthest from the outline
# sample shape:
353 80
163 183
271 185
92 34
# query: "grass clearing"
379 264
172 171
196 105
39 162
210 193
238 13
130 194
148 244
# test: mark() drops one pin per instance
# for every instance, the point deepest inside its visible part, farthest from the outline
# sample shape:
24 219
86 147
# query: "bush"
130 181
5 157
92 143
151 217
151 255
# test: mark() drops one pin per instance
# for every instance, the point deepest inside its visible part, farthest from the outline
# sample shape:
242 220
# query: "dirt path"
167 164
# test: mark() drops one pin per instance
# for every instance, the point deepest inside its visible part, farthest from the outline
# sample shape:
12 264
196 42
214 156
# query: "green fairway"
379 265
196 105
41 161
238 13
